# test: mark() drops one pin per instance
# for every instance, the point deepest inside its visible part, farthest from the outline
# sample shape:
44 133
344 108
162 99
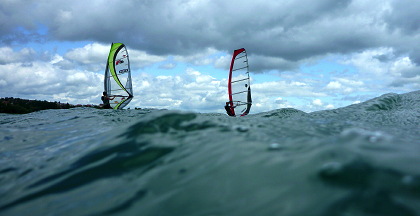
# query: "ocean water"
362 159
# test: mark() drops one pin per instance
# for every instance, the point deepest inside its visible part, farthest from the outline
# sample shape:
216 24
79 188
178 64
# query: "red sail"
239 89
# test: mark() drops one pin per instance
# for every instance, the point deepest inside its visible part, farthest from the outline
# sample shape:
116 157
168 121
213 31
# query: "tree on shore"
22 106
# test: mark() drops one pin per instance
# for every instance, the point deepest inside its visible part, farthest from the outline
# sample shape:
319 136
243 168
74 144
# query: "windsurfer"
105 99
228 109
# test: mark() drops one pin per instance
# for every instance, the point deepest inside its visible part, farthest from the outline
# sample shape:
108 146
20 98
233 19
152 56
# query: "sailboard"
239 88
117 82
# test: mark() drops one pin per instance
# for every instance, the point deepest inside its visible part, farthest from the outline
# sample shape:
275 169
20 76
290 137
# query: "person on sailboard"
105 99
228 109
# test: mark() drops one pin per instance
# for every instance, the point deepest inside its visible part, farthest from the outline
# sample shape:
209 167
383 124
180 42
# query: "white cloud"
89 54
276 88
405 73
46 80
94 56
168 66
139 59
329 106
344 85
334 85
298 84
190 90
317 102
77 77
348 81
203 57
368 62
380 66
3 82
8 55
56 59
223 62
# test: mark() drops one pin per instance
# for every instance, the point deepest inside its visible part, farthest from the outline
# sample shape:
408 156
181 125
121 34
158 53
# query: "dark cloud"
259 64
409 77
286 31
384 57
411 73
17 37
404 15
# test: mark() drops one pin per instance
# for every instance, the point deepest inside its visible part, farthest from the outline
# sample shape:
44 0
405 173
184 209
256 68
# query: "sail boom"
117 90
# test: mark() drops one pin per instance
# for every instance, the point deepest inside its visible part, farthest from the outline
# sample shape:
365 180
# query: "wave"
360 159
282 113
390 101
373 189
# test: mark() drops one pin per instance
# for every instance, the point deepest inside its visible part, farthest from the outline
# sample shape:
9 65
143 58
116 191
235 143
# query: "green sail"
117 81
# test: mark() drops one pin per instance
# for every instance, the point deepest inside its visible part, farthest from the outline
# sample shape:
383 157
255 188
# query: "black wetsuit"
105 101
229 110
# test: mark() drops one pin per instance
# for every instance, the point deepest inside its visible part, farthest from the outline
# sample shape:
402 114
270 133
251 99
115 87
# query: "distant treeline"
21 106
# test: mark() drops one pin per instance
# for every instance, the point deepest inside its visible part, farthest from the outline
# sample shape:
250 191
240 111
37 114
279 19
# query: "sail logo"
119 62
123 71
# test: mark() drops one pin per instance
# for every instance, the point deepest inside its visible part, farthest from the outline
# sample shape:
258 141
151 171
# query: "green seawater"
362 159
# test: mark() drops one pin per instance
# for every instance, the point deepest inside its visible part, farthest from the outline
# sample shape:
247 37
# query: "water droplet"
331 168
407 180
274 147
370 136
182 171
8 138
241 128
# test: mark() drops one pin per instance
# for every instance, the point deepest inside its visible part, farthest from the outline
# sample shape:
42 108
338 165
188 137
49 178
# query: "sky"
308 55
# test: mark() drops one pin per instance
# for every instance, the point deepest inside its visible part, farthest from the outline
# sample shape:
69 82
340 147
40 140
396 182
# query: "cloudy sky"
305 54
